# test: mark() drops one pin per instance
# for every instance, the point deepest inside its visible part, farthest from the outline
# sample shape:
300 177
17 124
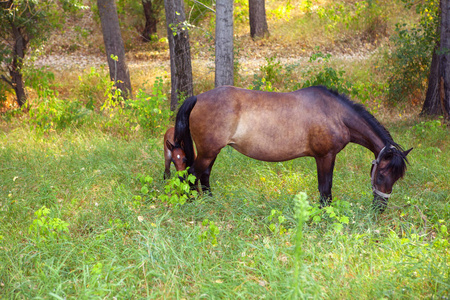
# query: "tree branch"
7 81
205 6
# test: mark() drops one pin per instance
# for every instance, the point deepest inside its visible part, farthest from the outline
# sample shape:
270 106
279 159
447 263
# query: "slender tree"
437 101
152 9
258 20
180 53
115 51
23 22
224 43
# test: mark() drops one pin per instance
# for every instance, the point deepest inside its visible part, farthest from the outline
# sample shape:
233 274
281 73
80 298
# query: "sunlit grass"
117 247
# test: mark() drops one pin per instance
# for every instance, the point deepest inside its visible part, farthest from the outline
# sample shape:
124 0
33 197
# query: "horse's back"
267 125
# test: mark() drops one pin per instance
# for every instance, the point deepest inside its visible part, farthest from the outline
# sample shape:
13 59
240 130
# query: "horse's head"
178 156
389 167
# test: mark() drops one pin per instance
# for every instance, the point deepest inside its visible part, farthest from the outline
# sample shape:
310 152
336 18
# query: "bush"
151 112
53 113
413 47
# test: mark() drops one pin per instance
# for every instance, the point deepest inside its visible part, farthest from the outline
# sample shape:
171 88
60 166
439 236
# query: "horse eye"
184 159
380 177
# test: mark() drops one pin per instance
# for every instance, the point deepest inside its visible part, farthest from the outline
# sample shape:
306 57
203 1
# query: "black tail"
182 136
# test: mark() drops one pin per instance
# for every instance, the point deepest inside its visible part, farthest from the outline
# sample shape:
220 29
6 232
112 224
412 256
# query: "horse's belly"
273 150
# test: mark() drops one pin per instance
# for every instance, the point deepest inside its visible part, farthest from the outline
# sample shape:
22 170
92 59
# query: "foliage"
199 10
52 113
45 228
336 213
148 112
282 12
302 212
178 189
413 47
92 87
434 127
326 75
209 233
151 112
271 73
32 21
147 191
277 219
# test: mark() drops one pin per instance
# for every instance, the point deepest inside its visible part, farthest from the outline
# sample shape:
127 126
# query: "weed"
409 61
178 189
431 127
336 212
210 233
277 219
48 229
53 114
92 87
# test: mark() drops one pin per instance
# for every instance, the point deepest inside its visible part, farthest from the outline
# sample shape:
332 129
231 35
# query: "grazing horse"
172 154
277 127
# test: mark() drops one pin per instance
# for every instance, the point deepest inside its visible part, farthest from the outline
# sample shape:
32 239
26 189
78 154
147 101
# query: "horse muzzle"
379 202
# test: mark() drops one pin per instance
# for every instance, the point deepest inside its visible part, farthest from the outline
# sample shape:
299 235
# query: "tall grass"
117 246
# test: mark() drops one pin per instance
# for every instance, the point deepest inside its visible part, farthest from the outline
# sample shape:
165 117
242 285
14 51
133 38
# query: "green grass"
119 247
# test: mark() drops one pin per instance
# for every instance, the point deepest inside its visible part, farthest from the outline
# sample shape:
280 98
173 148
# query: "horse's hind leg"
202 170
204 179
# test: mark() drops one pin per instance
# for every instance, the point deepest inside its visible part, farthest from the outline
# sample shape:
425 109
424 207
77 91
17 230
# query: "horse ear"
169 145
407 151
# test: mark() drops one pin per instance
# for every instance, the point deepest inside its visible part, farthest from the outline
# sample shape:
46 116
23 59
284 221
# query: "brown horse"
172 154
277 127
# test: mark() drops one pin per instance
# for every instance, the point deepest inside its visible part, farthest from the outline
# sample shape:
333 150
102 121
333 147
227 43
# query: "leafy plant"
302 213
151 112
147 192
92 87
335 212
270 73
178 189
210 233
277 219
45 228
432 127
322 74
53 113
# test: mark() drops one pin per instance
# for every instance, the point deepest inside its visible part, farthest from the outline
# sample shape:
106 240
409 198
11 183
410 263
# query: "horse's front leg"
325 167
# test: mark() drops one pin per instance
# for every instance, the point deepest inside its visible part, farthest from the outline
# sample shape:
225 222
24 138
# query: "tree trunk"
15 70
444 64
432 104
224 43
112 37
437 101
180 53
258 22
150 20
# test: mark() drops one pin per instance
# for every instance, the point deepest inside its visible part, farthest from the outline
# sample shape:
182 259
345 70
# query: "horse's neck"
362 133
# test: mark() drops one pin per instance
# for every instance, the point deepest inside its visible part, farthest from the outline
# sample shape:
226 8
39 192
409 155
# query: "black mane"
395 154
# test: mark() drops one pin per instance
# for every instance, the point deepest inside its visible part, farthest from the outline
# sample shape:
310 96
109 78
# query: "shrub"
151 112
413 46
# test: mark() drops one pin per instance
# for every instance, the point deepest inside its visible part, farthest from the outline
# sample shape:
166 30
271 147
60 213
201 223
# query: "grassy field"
98 240
82 207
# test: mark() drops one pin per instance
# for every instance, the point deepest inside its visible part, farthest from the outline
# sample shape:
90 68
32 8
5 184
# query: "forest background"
85 211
